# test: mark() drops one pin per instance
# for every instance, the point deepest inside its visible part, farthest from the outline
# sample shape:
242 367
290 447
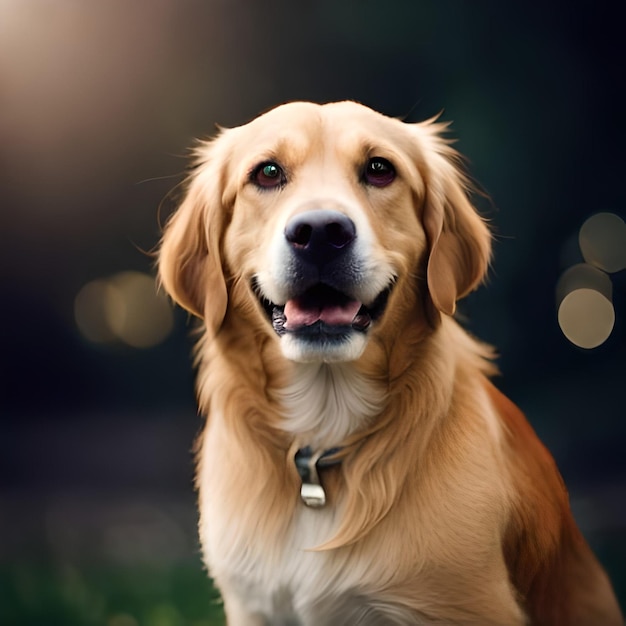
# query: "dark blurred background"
98 105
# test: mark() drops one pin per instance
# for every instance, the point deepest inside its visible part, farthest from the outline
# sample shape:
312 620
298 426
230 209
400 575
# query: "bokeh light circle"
90 311
125 307
139 316
583 276
602 240
586 317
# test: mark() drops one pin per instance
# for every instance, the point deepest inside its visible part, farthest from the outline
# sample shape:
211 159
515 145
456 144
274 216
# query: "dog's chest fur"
282 578
290 584
323 404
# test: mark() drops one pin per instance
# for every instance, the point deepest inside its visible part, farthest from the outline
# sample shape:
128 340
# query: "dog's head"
312 221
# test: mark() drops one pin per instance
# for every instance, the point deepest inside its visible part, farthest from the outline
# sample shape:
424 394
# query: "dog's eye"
379 172
268 175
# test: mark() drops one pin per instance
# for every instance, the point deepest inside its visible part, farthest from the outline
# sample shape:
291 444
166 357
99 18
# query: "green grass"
56 592
42 594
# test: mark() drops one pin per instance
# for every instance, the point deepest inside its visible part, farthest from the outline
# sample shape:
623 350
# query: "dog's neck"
324 403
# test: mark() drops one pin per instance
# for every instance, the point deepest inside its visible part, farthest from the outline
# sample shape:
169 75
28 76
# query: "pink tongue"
334 315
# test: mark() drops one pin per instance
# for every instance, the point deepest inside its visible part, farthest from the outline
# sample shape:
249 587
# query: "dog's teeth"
362 320
278 319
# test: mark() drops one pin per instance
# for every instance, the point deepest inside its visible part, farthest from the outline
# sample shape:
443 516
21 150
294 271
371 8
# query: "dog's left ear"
458 238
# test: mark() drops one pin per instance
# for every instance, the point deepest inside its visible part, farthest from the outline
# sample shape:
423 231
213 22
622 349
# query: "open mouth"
323 310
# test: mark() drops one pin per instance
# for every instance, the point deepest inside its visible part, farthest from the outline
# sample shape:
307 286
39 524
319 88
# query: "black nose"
320 236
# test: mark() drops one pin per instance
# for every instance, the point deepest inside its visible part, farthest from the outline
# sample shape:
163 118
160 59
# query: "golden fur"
445 508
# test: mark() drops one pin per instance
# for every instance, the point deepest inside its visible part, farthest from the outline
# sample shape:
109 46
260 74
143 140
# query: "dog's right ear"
189 260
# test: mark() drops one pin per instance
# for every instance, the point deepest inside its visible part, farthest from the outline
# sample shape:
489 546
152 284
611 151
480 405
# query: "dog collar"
308 462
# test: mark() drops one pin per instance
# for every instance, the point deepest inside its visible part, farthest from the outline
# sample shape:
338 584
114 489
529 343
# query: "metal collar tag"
312 492
313 495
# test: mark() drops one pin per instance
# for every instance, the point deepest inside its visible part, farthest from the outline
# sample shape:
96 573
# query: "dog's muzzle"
325 276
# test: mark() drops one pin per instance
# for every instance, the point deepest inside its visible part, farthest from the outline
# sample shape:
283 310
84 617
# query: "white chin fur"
301 351
326 402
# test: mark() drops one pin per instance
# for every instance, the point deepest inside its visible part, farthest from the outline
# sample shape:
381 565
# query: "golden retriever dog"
357 466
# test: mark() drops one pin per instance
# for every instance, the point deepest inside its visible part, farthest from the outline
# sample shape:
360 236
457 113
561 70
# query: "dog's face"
312 221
